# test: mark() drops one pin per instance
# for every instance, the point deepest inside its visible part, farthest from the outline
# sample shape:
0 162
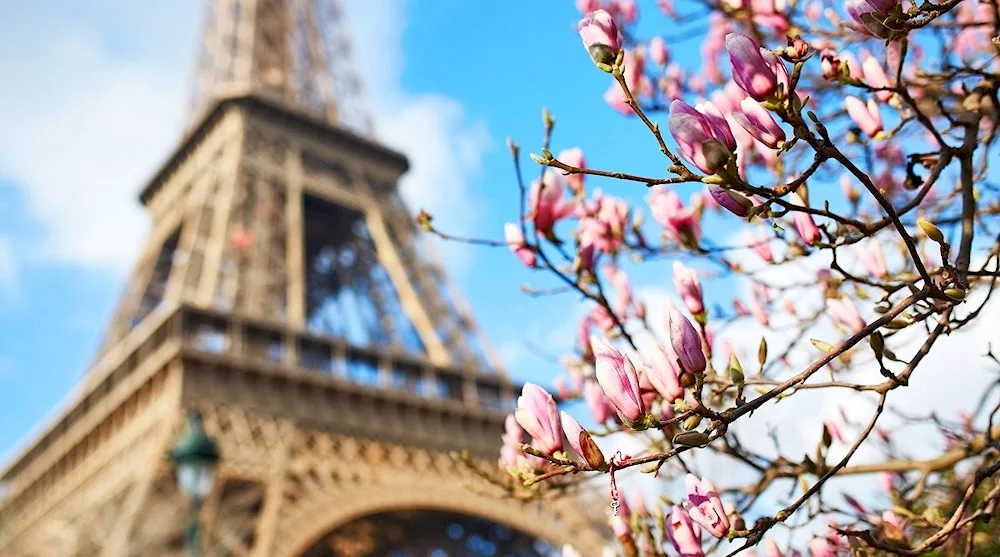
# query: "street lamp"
195 456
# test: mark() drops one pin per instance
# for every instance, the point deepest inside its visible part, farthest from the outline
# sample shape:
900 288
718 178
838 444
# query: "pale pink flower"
684 535
871 258
688 287
866 116
846 313
706 506
618 379
574 157
538 415
515 240
686 341
803 222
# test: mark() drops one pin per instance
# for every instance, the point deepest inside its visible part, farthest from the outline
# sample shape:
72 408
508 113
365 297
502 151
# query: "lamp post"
195 456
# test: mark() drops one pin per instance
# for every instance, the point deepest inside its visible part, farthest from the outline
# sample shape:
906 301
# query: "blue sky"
96 101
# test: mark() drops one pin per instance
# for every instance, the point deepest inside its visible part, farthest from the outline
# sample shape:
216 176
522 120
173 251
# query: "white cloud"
10 282
86 124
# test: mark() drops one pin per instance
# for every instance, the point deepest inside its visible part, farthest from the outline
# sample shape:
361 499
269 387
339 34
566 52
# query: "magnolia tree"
845 143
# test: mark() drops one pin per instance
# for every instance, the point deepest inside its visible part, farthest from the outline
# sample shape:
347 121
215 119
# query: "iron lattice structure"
285 294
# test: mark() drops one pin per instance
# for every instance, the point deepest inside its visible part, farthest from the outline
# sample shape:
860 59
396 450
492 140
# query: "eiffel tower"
283 293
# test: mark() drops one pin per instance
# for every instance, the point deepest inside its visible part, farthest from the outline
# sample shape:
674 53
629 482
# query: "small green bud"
536 158
821 346
932 232
955 293
692 422
547 154
735 369
602 54
878 344
762 351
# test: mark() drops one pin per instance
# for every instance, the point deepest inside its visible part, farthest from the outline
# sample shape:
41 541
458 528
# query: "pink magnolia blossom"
875 76
546 203
620 527
597 403
678 222
834 430
871 258
667 7
574 157
624 10
600 36
515 240
694 133
758 311
573 430
616 98
663 373
618 379
821 547
803 222
512 438
587 6
623 289
865 116
600 316
845 312
684 535
718 124
561 388
658 51
686 342
688 287
886 481
538 415
759 123
706 506
761 245
755 70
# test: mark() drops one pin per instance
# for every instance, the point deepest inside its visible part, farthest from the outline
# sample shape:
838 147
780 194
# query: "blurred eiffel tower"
283 293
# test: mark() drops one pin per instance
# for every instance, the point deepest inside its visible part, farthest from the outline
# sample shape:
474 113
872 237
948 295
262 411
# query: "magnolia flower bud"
735 369
932 232
691 439
692 422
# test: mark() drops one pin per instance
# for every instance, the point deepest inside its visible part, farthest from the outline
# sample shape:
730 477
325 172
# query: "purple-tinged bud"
757 121
732 201
871 15
618 379
686 341
601 36
750 70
